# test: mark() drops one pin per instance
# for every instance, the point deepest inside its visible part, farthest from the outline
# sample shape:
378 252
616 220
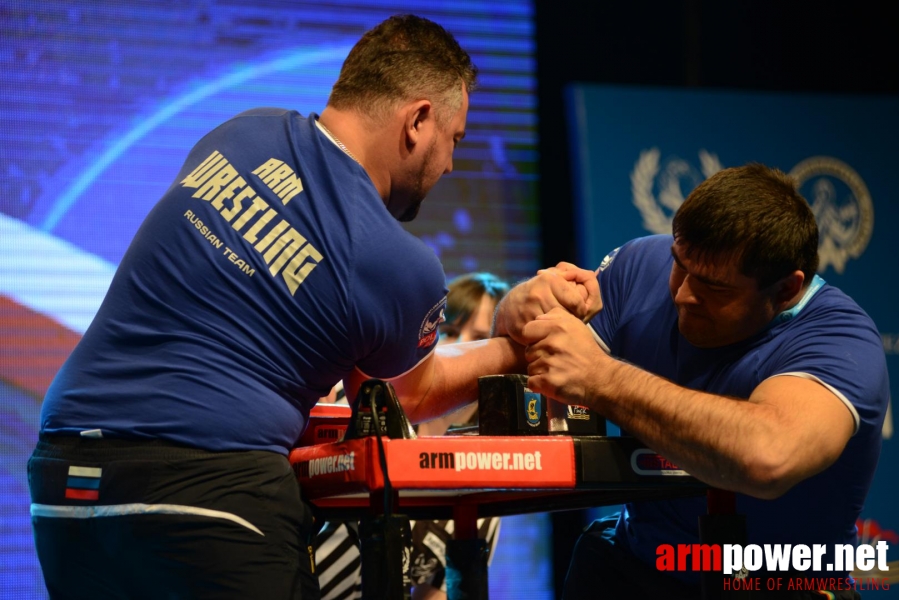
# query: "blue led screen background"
99 104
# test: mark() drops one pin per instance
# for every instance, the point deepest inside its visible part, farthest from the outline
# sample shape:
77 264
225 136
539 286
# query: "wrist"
607 373
498 327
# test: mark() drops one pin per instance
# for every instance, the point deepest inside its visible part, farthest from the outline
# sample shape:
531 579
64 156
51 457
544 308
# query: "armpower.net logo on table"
481 461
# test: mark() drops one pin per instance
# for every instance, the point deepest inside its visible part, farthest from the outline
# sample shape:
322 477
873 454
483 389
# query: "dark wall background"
842 47
846 47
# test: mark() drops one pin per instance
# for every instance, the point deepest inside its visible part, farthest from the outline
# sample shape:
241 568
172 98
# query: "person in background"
470 303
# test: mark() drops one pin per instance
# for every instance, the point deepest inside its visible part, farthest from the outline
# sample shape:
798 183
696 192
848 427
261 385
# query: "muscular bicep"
447 378
813 423
411 387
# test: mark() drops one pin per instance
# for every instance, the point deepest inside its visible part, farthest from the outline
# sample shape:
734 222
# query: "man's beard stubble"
418 192
410 213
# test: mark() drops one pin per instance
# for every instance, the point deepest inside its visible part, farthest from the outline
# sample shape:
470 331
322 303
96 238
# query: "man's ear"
789 287
419 115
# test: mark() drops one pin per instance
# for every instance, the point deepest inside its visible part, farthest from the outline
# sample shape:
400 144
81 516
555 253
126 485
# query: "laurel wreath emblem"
655 219
844 230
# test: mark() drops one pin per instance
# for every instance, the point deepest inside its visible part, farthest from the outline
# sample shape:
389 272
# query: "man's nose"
685 294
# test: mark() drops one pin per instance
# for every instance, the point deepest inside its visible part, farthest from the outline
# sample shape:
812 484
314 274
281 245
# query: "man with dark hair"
746 370
404 62
766 225
272 267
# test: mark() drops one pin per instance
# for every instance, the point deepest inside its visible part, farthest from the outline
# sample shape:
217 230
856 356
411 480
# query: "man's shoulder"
633 280
639 259
647 248
383 244
267 111
253 130
831 318
398 296
262 123
831 299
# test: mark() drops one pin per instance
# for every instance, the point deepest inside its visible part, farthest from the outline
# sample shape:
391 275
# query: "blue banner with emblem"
638 152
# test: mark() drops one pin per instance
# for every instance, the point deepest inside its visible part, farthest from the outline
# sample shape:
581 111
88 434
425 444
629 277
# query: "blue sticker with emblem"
533 408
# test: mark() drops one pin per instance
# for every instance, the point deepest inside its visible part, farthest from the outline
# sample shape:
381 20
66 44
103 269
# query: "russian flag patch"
83 483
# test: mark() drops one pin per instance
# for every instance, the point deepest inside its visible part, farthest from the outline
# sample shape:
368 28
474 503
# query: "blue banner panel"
638 152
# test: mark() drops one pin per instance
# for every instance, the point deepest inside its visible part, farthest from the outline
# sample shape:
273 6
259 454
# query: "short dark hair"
464 297
403 59
752 214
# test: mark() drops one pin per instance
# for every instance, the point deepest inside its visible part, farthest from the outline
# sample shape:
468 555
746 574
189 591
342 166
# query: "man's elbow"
766 482
412 407
770 474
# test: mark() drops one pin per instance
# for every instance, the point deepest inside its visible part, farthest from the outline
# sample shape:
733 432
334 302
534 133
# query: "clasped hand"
546 314
563 358
564 286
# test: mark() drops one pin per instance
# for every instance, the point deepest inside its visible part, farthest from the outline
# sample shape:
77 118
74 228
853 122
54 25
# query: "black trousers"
600 569
137 519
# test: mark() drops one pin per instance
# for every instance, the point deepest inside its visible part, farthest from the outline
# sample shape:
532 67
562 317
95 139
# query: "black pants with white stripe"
147 519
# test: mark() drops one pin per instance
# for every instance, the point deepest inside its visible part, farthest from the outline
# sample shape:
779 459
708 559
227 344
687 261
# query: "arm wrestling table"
464 478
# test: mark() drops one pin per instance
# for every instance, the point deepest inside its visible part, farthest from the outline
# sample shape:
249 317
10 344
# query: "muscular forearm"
441 424
456 368
726 442
789 428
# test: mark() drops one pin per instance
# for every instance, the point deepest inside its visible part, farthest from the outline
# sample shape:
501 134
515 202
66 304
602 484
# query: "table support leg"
386 551
466 557
466 569
722 525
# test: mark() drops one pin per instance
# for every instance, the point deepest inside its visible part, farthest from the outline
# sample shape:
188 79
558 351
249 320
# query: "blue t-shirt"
830 339
269 270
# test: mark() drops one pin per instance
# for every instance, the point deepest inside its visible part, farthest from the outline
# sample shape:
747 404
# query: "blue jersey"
828 338
269 270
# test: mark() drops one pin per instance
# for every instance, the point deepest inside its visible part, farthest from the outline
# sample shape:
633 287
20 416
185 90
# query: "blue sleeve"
398 300
840 345
626 277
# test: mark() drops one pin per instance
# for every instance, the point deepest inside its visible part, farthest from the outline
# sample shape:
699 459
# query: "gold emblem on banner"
845 220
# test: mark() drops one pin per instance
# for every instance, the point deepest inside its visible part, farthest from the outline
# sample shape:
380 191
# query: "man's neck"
799 301
360 139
